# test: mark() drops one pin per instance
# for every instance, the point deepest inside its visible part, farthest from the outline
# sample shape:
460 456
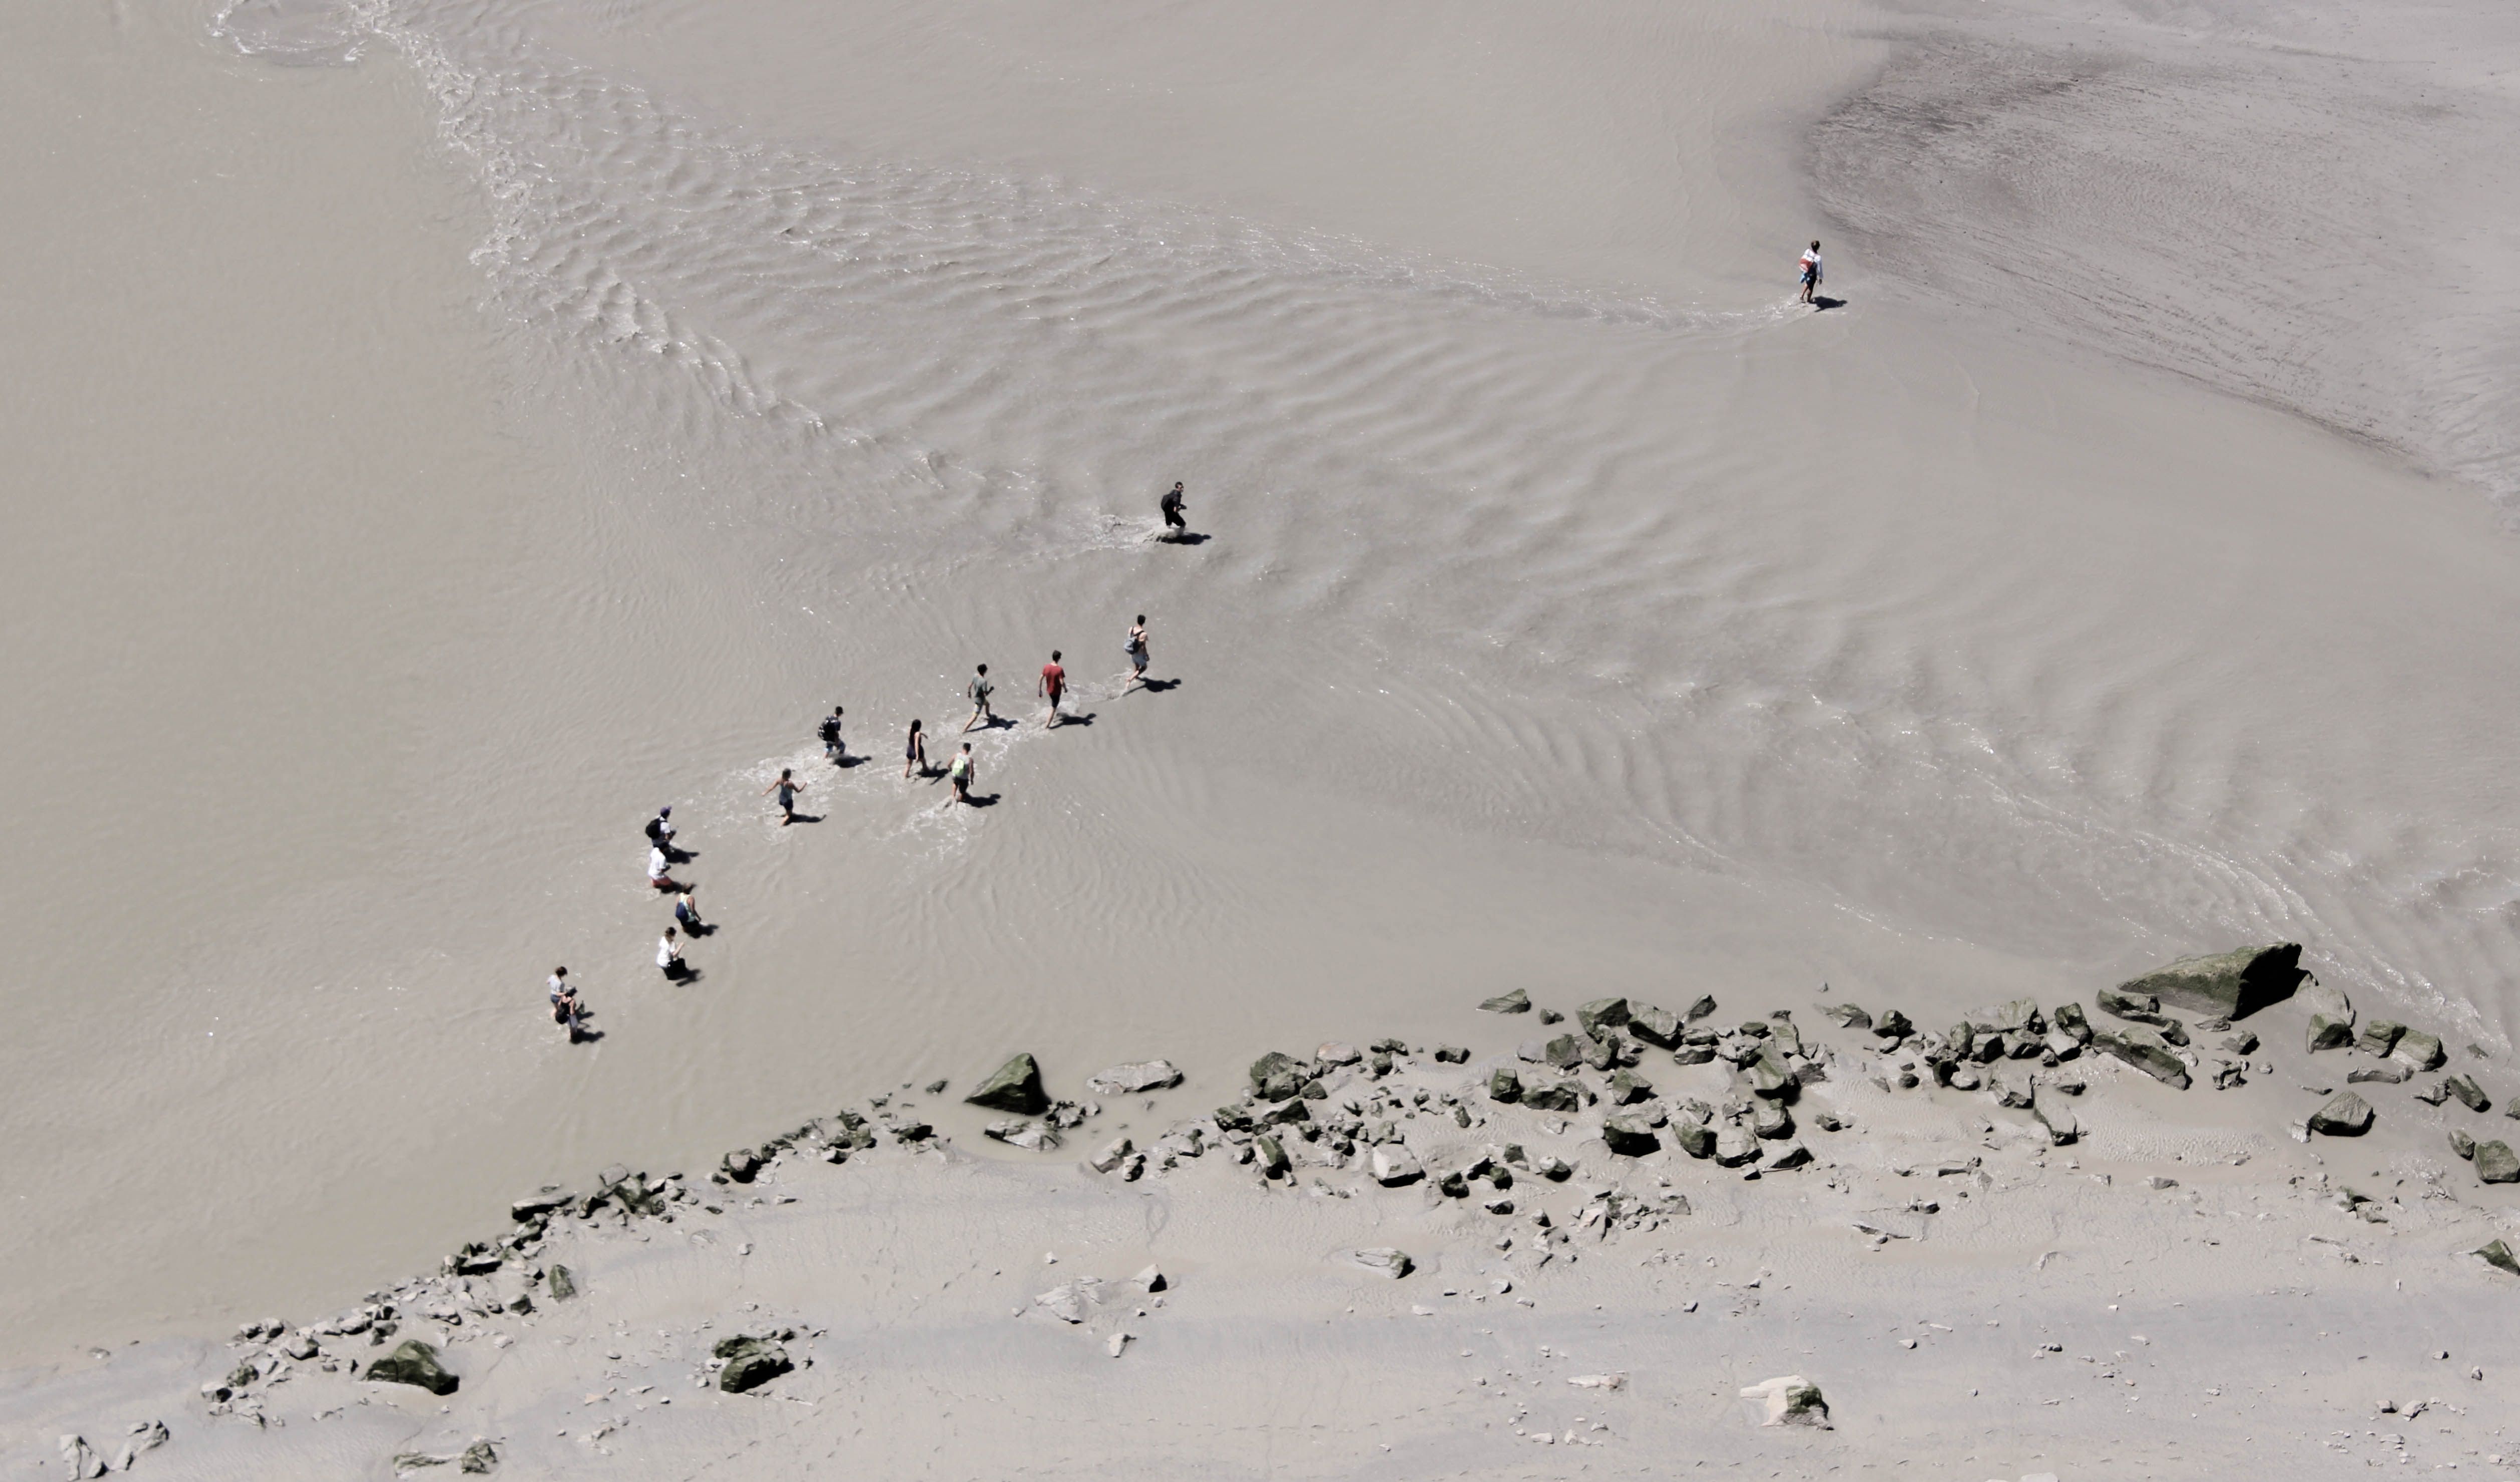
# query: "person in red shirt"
1054 684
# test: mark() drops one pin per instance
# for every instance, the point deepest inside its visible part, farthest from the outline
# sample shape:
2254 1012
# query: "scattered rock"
1392 1165
1626 1088
2136 1008
1516 1002
1658 1027
1451 1055
1791 1156
2498 1255
1599 1381
1383 1260
562 1282
413 1361
1767 1076
1893 1025
81 1458
751 1362
2347 1115
1134 1077
2461 1143
1847 1016
1032 1137
2331 1017
2143 1050
1071 1301
2433 1095
1790 1400
1272 1156
545 1202
1696 1139
1015 1086
477 1459
2386 1075
1704 1006
1112 1155
2419 1050
1603 1015
1504 1084
2467 1093
2230 984
2495 1164
1554 1096
2379 1036
1735 1145
1630 1135
1551 1016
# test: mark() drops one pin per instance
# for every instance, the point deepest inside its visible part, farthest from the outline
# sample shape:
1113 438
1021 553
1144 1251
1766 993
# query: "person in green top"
978 689
961 772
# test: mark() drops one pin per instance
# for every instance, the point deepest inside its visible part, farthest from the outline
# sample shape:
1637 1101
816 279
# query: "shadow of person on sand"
1824 301
980 799
807 818
1158 686
1067 718
1185 538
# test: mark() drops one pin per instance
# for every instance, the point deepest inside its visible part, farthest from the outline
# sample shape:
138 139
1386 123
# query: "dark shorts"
1137 660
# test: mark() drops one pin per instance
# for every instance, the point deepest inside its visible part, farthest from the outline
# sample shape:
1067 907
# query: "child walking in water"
961 774
1811 271
785 787
1137 653
913 757
978 691
1054 684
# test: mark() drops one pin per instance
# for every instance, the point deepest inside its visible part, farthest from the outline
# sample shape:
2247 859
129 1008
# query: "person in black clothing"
829 731
1175 526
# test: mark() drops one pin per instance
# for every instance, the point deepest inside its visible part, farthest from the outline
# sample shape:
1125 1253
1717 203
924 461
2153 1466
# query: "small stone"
2461 1143
2159 1181
1451 1055
1551 1016
545 1202
1891 1024
1134 1078
1847 1016
1015 1086
1383 1260
1516 1002
2347 1115
1115 1344
82 1460
1111 1154
562 1282
1704 1006
415 1363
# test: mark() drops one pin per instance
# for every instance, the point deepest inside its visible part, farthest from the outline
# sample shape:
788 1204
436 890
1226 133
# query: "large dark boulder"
413 1361
2231 984
2495 1164
1015 1086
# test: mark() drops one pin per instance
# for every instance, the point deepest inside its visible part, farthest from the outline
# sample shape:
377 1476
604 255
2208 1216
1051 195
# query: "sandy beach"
452 429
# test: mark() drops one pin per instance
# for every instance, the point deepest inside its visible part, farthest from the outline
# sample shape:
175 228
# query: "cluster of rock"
2386 1052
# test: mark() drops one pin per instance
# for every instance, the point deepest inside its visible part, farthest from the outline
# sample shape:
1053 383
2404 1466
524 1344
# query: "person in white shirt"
669 957
1811 272
657 872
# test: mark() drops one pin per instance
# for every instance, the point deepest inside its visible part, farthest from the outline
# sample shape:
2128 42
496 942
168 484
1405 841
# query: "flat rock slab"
1134 1077
1382 1261
1516 1002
